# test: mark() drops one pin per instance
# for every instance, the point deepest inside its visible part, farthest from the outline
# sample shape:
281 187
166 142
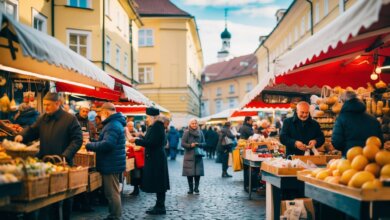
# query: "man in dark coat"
59 134
301 132
246 130
111 156
354 125
173 141
211 137
155 177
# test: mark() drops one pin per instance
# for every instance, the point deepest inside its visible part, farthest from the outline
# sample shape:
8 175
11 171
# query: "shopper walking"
173 141
192 163
225 144
212 138
155 175
111 156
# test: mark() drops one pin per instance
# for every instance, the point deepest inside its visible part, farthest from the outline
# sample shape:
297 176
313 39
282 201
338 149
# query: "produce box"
382 194
78 177
33 188
308 203
316 159
58 182
85 159
94 181
331 157
280 171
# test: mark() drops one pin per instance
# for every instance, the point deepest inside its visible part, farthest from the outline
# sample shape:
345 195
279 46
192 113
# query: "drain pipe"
104 37
311 16
52 18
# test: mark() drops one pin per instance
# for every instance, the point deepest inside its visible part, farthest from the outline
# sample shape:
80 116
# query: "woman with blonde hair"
193 164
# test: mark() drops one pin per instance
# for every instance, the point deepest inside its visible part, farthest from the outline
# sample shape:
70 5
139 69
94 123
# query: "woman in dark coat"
225 148
193 165
212 138
155 177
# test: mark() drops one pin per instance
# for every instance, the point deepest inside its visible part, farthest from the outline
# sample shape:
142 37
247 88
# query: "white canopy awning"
361 14
38 54
257 90
136 96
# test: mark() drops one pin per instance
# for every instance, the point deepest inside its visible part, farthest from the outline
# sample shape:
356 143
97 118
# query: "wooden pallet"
278 171
382 194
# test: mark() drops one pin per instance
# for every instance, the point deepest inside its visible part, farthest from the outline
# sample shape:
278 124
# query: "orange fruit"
343 165
359 162
347 176
369 151
353 152
333 164
373 168
316 171
374 184
385 171
382 157
373 140
360 178
322 174
332 179
336 173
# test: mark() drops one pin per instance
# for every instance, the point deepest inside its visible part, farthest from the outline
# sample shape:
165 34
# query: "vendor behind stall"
26 115
301 131
59 134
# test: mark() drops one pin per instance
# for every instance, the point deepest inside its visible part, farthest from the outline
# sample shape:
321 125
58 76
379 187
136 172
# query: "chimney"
279 14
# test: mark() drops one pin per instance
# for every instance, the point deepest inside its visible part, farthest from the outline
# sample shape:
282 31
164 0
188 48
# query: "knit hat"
52 96
108 106
152 111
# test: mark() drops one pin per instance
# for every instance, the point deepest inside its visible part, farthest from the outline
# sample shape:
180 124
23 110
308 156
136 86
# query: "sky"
247 20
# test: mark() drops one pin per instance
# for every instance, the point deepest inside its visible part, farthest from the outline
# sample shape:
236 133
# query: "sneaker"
157 211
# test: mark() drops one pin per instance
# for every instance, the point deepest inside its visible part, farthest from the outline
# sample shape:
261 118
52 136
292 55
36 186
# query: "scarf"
194 132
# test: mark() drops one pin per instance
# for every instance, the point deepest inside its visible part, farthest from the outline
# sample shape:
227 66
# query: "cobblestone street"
220 198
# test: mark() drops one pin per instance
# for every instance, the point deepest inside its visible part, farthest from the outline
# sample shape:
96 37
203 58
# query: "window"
108 50
145 37
248 87
218 105
125 24
205 108
231 89
309 21
10 7
317 13
117 57
118 19
80 42
145 75
326 7
126 64
80 3
107 7
303 26
39 21
219 91
233 103
296 33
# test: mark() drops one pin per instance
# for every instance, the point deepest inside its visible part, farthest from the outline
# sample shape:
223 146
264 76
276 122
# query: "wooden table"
26 207
276 189
251 164
351 206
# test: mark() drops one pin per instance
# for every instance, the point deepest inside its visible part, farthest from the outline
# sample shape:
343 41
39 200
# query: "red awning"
244 113
259 104
100 93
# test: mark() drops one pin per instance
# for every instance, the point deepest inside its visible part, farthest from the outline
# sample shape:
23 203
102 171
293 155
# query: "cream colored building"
226 83
296 25
170 59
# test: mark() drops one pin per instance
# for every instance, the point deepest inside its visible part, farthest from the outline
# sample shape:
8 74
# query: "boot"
135 191
196 190
190 186
225 175
156 210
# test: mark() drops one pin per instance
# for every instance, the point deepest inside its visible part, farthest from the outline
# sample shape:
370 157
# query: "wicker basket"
33 188
85 159
58 181
22 153
78 177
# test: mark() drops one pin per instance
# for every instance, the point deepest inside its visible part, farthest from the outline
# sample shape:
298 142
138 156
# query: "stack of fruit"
364 167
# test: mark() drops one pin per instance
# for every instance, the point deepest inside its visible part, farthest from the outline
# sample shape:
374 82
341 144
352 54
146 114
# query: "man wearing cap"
155 177
86 125
111 156
59 134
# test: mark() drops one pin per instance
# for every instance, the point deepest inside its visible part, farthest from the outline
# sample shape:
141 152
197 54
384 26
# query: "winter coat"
353 126
246 131
27 117
212 139
296 130
173 137
155 177
87 126
59 134
225 132
110 148
192 165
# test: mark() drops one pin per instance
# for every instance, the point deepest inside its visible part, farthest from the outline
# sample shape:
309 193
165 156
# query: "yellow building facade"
299 22
170 61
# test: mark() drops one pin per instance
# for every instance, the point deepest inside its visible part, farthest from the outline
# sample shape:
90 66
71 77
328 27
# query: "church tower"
223 54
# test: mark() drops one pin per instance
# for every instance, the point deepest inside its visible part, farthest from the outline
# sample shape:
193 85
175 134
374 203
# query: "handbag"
226 141
199 152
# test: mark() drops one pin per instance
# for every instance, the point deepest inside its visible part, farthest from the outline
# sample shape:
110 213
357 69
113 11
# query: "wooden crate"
87 159
94 181
33 188
130 164
78 177
382 194
331 157
317 160
278 171
58 182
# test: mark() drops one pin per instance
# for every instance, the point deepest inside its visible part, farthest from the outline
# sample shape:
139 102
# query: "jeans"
172 151
225 160
112 193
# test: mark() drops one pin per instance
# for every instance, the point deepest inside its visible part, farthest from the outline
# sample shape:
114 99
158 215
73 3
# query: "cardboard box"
308 205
